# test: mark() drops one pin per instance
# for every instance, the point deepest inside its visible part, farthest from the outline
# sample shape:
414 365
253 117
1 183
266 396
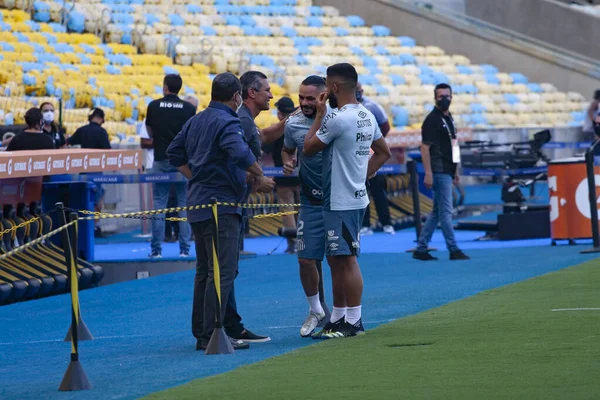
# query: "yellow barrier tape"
102 215
17 227
273 215
36 241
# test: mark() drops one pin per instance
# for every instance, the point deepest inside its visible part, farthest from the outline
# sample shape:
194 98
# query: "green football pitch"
537 339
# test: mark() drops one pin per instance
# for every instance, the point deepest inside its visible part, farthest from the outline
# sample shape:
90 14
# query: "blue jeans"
161 198
441 213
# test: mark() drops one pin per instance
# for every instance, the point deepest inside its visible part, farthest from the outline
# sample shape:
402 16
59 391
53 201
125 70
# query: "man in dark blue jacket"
211 152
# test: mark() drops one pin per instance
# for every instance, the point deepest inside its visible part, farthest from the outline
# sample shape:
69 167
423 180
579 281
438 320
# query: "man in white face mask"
50 127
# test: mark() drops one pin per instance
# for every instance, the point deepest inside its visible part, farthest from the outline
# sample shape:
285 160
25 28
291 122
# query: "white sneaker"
311 323
389 229
366 231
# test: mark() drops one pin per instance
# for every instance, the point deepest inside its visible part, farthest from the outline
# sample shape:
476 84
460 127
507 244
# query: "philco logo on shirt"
164 104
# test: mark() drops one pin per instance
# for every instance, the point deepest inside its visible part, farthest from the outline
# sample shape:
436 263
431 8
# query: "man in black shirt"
441 156
31 138
164 119
93 136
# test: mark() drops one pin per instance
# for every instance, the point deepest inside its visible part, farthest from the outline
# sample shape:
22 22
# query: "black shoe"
423 256
329 327
249 337
237 345
345 330
458 255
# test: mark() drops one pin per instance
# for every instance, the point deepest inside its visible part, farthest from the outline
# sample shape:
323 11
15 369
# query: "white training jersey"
348 133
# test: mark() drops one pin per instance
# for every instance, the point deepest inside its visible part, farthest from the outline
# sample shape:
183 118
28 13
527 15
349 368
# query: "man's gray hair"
192 100
251 80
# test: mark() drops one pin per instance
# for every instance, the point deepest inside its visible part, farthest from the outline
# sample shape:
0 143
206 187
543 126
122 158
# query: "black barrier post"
75 377
219 342
322 296
83 333
414 188
591 178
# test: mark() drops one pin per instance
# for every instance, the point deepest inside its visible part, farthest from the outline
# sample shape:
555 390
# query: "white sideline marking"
576 309
60 340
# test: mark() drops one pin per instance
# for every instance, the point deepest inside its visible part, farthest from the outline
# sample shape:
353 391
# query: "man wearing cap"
287 188
93 136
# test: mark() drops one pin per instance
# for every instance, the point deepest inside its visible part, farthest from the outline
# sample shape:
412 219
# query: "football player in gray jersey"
345 136
311 228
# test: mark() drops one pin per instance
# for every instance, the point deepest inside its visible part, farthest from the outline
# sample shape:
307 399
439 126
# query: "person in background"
93 136
597 125
441 155
210 151
172 228
377 184
6 138
593 109
31 138
164 119
287 188
50 126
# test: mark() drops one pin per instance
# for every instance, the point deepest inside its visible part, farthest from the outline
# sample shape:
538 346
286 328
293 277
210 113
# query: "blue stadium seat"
248 20
301 60
288 31
340 31
357 51
58 28
407 41
380 30
382 50
401 116
314 22
316 10
511 98
489 69
427 79
233 20
76 22
398 80
369 62
477 108
492 79
519 78
208 30
535 87
464 69
42 16
176 20
355 20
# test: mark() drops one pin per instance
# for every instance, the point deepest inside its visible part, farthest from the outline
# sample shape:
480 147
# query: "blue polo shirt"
212 144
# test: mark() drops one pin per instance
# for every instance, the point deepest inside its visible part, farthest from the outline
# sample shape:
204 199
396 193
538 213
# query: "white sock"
337 314
315 304
353 314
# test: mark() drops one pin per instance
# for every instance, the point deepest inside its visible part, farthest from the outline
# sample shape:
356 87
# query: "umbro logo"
362 114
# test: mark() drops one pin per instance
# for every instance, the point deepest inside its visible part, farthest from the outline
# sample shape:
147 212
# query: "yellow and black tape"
36 241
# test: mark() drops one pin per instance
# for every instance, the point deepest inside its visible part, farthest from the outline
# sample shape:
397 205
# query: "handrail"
575 61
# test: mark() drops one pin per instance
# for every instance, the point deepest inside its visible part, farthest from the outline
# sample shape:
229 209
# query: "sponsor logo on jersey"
360 193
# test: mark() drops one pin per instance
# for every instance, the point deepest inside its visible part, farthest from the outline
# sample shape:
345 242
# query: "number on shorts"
300 227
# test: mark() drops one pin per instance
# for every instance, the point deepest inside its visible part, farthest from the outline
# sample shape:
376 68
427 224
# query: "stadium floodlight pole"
593 198
75 377
219 342
83 333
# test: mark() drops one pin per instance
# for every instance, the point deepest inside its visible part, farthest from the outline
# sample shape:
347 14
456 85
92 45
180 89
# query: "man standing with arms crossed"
345 136
311 229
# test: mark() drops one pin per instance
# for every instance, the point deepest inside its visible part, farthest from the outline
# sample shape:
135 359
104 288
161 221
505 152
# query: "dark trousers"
205 297
379 196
